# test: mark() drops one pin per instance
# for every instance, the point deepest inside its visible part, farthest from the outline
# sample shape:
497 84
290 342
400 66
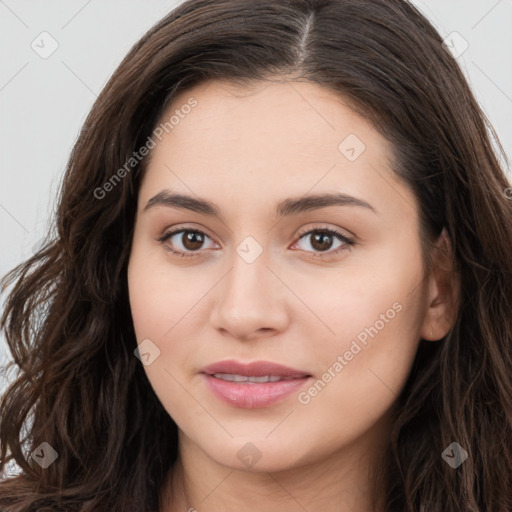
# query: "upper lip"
254 369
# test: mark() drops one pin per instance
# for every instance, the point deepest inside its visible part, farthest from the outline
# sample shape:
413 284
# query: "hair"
67 319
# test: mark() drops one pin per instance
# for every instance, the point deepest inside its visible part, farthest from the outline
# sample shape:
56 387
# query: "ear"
443 291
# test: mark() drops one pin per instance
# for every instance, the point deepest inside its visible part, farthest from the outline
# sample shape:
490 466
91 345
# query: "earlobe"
444 291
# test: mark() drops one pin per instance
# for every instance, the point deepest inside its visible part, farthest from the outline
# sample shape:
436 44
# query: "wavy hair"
67 320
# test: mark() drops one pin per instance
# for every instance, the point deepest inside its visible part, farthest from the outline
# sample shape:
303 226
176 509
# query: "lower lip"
253 396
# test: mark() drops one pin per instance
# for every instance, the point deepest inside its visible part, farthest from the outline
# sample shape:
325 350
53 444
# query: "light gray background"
43 102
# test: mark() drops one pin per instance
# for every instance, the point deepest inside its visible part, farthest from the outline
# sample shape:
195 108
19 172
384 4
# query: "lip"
253 395
256 369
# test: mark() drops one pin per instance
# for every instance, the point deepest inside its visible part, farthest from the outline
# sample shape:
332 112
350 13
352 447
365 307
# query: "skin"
245 149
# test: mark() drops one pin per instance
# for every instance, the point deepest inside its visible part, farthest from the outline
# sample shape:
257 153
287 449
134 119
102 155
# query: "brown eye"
322 240
184 242
192 240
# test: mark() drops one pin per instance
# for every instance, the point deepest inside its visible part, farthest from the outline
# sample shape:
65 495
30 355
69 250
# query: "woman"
281 278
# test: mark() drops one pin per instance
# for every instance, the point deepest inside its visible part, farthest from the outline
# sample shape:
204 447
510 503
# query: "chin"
258 455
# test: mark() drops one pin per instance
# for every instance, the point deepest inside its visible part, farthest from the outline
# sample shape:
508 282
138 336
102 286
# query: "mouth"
255 385
250 379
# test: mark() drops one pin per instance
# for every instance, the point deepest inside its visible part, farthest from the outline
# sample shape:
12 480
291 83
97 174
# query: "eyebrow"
291 206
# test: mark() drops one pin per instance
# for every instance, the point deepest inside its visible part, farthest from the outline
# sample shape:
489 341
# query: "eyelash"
325 230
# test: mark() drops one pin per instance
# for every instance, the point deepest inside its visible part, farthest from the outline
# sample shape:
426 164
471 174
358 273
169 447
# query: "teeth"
243 378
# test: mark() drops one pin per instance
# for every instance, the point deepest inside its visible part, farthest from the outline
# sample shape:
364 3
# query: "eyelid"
347 240
324 227
180 229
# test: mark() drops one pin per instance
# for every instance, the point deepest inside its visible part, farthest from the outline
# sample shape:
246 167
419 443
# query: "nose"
251 301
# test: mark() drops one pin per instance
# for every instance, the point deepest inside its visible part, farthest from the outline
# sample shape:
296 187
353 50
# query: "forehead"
277 115
266 141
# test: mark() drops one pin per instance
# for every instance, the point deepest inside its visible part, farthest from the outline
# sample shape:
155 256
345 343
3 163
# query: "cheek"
363 374
359 376
148 301
168 306
374 347
379 313
159 309
374 318
161 296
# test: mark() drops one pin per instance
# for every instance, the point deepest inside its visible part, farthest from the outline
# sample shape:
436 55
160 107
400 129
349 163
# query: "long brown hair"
67 319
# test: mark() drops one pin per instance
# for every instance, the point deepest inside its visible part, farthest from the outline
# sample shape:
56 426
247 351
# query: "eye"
322 240
189 240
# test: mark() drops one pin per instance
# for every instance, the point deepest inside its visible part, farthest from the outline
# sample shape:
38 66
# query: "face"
333 289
